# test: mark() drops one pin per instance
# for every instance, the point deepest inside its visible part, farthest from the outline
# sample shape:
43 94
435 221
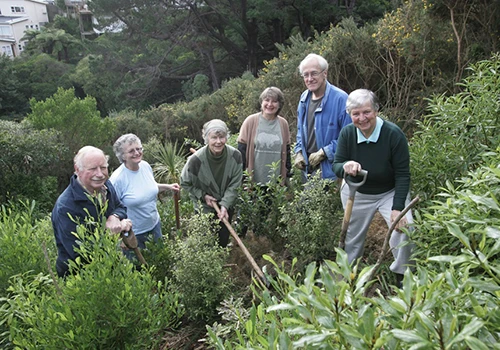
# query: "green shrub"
459 128
23 241
259 207
107 304
29 164
312 221
470 204
199 274
128 121
328 308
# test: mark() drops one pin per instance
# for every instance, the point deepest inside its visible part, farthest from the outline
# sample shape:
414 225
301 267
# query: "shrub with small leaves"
105 304
22 241
199 273
312 221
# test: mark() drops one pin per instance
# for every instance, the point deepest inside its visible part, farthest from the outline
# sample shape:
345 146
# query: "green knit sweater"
197 178
387 161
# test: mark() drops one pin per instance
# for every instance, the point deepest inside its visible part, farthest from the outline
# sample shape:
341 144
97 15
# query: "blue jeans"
154 235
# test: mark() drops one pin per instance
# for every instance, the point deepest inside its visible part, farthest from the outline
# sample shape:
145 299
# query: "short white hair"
83 152
360 97
322 62
214 125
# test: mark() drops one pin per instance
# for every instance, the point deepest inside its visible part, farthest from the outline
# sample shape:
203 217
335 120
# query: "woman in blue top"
137 189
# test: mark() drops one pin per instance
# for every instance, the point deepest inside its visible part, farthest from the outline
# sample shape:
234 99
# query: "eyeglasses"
133 150
314 74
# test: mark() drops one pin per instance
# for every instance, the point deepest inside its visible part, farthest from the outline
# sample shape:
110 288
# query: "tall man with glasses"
321 114
88 193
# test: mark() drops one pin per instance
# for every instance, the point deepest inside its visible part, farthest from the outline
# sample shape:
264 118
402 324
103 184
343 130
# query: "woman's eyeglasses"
133 150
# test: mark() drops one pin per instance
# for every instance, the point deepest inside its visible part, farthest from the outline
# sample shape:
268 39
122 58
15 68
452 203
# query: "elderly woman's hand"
209 199
402 223
223 213
351 168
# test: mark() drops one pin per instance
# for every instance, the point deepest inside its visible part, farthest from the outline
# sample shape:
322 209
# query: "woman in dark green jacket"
213 175
381 148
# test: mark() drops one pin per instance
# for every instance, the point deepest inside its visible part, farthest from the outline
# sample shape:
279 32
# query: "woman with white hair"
213 175
380 147
138 190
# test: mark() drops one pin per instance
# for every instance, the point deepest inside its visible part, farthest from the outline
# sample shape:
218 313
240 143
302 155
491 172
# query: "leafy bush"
451 139
199 274
312 221
327 308
23 241
259 207
29 163
128 121
77 120
467 206
107 304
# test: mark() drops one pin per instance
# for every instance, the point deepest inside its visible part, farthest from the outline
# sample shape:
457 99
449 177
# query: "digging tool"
353 187
177 198
130 241
243 248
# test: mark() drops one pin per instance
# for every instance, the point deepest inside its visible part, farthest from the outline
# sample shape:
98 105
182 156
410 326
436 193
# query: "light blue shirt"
138 190
375 134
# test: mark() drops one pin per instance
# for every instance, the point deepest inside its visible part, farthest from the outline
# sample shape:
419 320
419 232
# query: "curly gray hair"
124 140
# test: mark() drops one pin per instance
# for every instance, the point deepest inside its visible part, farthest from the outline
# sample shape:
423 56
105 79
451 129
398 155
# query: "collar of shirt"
375 134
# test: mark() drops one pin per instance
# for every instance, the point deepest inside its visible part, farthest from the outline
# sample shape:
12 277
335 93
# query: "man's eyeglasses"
313 74
133 150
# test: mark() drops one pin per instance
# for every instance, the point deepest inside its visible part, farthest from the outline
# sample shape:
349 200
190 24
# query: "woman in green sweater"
213 174
381 148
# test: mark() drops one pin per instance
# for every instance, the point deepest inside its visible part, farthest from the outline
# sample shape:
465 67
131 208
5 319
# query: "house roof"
38 1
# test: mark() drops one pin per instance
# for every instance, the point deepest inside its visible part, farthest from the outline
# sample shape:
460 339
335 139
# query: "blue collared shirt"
375 134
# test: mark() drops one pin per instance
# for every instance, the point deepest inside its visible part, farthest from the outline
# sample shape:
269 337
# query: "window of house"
6 50
5 31
17 9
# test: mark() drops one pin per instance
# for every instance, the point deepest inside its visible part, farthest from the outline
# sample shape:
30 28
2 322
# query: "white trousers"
364 208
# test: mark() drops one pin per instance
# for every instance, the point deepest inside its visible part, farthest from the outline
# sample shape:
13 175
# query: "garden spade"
353 187
243 248
130 241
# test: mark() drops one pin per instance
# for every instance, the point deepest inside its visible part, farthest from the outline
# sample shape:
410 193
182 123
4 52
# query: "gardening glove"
300 162
316 158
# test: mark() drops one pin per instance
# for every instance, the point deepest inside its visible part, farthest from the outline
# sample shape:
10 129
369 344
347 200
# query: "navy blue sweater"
74 201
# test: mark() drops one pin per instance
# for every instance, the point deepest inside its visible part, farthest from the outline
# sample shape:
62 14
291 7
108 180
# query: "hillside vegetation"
196 294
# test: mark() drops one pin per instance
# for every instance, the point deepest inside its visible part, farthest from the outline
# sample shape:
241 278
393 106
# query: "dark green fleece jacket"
387 161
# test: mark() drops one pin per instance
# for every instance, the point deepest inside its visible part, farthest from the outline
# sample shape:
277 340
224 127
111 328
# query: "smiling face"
314 77
216 142
364 118
269 107
132 155
93 172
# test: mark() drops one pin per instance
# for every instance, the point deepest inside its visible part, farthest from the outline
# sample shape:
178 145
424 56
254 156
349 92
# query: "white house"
16 16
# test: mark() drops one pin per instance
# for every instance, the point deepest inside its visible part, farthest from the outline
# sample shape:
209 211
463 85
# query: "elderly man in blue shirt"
88 192
321 114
